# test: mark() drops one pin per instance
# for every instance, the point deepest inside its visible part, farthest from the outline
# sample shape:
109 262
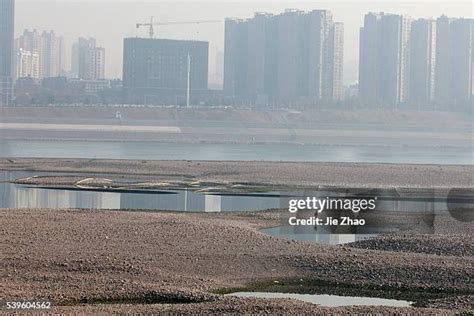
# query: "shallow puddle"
310 235
327 300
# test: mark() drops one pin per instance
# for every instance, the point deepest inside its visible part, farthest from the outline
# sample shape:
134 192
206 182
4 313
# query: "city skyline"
289 58
121 20
417 62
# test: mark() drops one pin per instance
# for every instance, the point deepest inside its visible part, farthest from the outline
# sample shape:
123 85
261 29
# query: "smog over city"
111 21
237 157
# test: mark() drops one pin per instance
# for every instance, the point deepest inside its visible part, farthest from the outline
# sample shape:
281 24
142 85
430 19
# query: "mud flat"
108 261
294 174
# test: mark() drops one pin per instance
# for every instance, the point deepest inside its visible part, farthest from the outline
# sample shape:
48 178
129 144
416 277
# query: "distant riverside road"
81 127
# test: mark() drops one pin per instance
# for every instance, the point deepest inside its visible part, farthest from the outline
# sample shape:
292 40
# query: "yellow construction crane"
151 24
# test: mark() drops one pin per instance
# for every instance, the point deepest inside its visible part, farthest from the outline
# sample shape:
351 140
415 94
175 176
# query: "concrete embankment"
390 128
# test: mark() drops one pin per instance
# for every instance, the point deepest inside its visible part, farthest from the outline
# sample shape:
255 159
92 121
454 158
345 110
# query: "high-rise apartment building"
7 16
234 55
27 64
417 62
29 41
454 56
291 57
325 55
369 57
289 49
384 61
443 69
246 56
422 61
335 89
88 60
52 55
49 48
462 48
155 71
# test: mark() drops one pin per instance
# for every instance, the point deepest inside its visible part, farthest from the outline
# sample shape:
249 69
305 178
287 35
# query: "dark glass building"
155 71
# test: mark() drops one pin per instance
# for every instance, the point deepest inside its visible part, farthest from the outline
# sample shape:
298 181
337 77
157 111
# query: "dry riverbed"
90 261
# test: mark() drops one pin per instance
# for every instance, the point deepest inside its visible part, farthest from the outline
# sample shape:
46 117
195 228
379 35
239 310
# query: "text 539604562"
17 305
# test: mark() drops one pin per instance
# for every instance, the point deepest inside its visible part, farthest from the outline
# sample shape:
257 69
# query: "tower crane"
151 25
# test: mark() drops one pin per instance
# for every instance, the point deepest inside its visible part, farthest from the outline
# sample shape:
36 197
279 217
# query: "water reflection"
328 300
27 197
19 196
405 209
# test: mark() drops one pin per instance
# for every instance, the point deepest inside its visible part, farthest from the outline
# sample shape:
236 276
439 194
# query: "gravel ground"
450 238
249 306
446 245
76 256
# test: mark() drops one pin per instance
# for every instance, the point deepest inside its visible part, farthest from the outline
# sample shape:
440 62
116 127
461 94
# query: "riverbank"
283 134
106 261
395 128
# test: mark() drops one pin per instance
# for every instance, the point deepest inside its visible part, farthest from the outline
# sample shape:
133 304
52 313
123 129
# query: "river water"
246 152
21 196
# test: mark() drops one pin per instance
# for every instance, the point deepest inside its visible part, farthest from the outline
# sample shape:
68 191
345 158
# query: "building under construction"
163 71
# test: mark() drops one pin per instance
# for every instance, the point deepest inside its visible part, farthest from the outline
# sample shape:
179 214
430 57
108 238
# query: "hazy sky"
109 21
